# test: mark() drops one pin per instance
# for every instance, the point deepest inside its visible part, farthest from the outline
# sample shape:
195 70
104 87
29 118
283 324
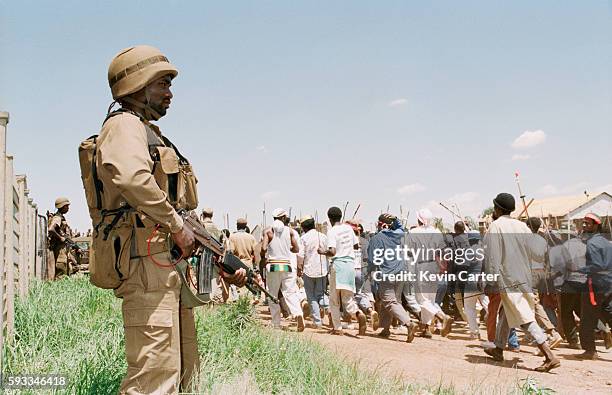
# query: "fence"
23 233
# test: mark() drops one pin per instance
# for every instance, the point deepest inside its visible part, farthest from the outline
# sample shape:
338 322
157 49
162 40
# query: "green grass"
71 328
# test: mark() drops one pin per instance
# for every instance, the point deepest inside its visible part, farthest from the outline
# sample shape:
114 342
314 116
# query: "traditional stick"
264 216
356 210
518 183
344 211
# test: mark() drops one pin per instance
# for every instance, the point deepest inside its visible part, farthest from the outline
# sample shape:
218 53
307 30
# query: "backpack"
112 229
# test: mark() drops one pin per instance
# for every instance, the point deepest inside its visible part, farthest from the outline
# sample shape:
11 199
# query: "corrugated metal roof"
558 206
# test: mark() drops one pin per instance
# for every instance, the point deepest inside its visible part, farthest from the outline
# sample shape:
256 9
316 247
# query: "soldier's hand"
239 278
184 240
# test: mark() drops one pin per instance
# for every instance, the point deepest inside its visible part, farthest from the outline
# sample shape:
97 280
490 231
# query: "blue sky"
312 104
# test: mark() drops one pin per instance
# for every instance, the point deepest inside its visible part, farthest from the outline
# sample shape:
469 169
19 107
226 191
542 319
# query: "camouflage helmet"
61 202
135 67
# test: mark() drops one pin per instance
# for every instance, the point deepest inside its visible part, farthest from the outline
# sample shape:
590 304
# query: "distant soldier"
209 225
220 290
57 264
242 244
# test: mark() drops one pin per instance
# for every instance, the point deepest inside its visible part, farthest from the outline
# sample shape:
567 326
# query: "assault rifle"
208 246
71 244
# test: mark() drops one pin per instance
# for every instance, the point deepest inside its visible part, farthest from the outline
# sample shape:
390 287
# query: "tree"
471 223
487 211
438 223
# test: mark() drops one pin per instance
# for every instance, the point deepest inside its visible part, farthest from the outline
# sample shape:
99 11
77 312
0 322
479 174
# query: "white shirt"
280 245
315 265
342 238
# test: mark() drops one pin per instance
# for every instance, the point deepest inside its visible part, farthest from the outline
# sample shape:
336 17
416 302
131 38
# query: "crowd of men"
555 287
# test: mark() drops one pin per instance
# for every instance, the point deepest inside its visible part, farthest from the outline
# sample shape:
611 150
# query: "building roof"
561 206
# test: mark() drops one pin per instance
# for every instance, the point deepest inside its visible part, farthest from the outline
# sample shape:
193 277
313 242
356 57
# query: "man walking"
540 267
429 241
341 246
596 302
278 243
313 268
389 237
507 258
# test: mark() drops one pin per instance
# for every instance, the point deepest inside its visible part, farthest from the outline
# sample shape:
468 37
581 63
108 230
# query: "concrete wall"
23 233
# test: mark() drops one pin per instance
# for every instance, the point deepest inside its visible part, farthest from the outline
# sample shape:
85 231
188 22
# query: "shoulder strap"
170 144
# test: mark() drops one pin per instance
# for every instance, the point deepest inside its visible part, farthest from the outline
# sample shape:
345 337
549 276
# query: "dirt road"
461 362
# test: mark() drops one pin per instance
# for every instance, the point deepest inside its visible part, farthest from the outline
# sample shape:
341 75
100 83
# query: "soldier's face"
159 95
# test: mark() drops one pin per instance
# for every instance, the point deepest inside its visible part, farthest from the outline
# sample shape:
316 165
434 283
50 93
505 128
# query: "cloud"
261 148
571 189
466 197
600 189
520 157
410 189
270 195
529 139
397 102
548 190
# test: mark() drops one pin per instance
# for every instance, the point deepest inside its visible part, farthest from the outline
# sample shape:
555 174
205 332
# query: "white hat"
279 212
425 216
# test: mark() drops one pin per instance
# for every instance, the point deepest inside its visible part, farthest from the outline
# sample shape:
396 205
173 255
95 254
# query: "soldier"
143 187
242 244
220 290
209 225
57 264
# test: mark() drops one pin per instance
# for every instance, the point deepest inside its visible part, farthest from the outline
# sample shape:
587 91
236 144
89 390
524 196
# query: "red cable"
151 256
190 277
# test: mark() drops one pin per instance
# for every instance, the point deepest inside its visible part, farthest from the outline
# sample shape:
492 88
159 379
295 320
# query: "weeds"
72 328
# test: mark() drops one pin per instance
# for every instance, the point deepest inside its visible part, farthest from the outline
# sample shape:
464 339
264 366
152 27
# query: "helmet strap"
149 113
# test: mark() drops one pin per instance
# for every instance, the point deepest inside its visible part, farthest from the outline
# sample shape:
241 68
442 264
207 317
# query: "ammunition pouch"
174 174
112 239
